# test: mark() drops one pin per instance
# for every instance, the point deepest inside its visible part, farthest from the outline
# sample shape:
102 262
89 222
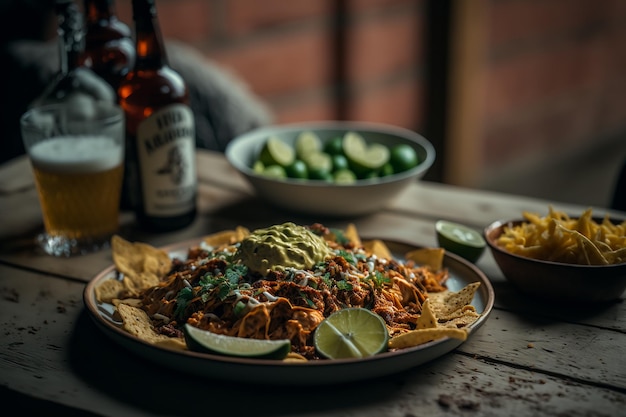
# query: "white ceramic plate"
307 373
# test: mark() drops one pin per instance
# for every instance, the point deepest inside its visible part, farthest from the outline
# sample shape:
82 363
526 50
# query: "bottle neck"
71 36
148 40
97 10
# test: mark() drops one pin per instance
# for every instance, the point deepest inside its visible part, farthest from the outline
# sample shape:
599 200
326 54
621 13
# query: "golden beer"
79 181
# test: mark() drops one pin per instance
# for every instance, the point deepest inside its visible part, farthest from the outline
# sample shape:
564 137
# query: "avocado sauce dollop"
282 246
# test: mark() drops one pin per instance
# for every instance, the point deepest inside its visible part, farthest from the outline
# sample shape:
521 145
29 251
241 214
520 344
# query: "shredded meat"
209 291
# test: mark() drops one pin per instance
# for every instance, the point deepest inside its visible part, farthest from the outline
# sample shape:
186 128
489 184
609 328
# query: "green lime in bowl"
460 240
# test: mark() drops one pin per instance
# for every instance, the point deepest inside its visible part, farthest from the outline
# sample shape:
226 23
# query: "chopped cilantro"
182 300
379 279
340 236
235 272
326 279
348 256
222 285
344 285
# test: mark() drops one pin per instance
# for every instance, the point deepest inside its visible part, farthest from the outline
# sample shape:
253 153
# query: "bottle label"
166 151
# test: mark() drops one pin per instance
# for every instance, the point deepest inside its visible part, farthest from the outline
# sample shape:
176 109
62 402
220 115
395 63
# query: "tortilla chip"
141 264
430 257
172 343
294 357
135 302
377 247
226 237
352 234
109 290
427 320
420 336
445 303
136 322
460 318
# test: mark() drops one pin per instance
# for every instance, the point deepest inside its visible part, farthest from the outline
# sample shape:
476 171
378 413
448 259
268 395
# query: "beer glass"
76 153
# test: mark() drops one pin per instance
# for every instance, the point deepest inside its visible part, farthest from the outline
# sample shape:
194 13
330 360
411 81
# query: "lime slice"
344 176
258 167
277 152
274 171
204 341
351 333
307 143
320 165
403 157
460 239
362 158
353 145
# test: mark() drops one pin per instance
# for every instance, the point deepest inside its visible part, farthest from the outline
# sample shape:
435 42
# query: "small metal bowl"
555 280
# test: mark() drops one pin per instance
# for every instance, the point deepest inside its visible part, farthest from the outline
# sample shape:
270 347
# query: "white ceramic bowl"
319 197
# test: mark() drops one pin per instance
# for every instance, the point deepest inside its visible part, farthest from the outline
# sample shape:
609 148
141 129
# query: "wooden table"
528 359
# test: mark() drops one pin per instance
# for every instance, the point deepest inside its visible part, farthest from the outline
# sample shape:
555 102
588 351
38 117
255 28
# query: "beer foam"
76 154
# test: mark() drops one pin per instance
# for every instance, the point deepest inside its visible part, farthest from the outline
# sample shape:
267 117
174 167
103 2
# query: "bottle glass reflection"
161 179
109 50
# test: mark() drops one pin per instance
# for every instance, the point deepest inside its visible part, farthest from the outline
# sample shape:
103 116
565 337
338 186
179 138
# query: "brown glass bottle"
109 48
74 85
160 174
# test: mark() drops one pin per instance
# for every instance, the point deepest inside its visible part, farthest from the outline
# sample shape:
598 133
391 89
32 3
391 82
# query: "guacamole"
281 246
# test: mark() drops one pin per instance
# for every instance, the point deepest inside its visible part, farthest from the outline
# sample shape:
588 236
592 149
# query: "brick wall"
284 50
556 76
554 70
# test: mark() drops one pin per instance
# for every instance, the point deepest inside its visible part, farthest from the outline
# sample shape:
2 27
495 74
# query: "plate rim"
135 344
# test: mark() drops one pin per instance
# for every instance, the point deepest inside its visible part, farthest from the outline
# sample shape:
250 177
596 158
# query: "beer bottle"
74 85
161 178
109 49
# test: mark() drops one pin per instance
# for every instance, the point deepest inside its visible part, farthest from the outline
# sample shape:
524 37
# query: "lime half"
320 165
364 158
274 171
344 176
460 239
277 152
208 342
351 333
307 143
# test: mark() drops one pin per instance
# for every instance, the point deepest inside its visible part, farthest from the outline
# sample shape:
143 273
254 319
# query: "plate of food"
288 304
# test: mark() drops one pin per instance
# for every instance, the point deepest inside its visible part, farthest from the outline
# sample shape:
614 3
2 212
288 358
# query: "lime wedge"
354 145
258 167
344 176
277 152
351 333
320 164
460 239
307 143
204 341
364 158
274 171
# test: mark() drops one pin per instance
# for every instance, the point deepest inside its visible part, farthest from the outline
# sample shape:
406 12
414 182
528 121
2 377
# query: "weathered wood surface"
530 358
